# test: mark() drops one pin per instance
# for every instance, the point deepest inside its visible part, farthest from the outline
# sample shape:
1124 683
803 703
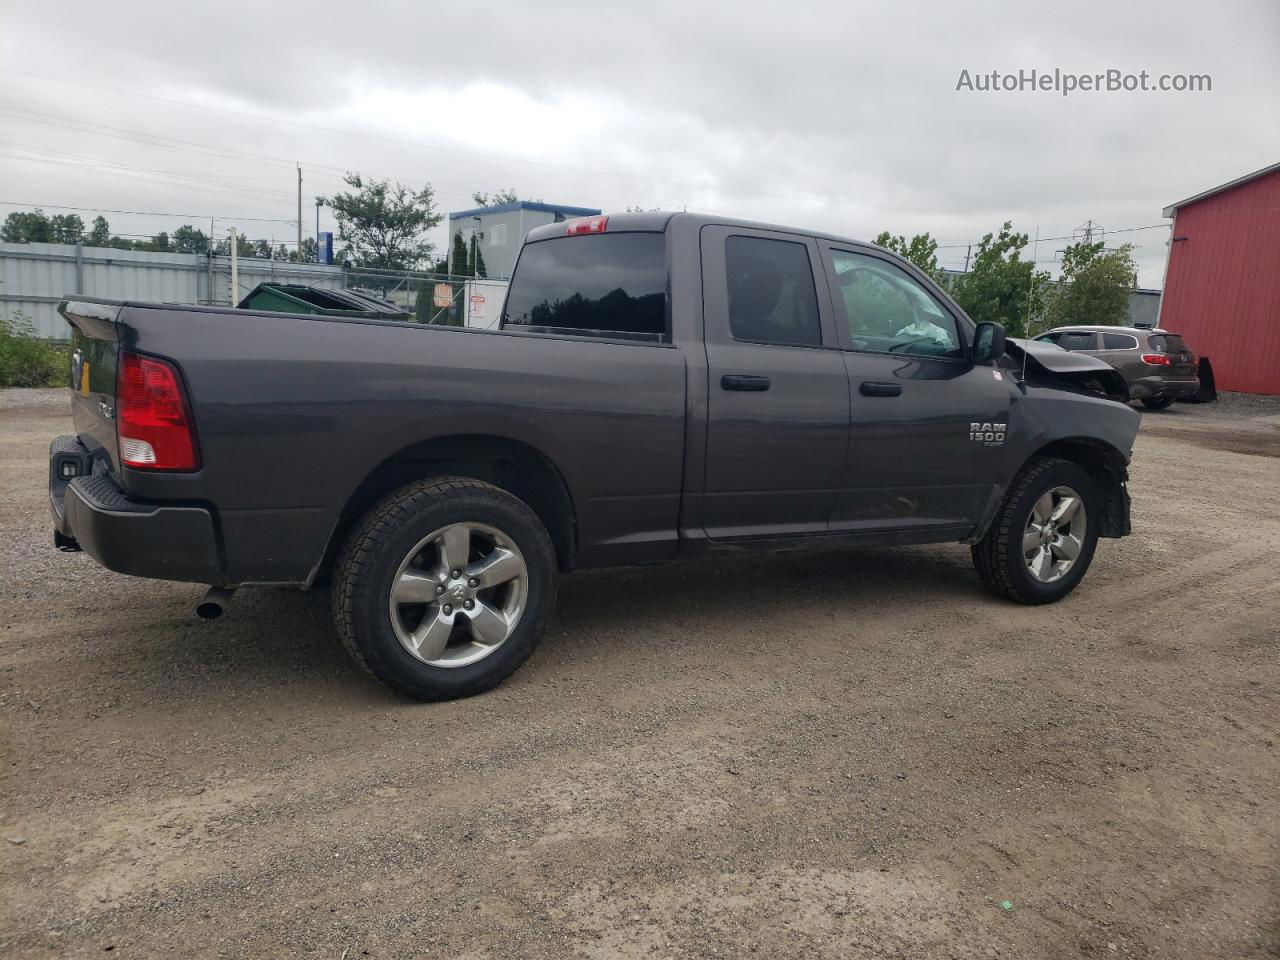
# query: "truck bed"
294 412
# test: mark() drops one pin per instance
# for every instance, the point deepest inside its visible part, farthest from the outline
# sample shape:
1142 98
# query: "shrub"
25 359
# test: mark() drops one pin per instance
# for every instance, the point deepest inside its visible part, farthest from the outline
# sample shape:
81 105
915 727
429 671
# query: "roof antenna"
1031 285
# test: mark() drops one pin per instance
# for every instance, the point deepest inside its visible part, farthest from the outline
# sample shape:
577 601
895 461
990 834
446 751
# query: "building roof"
525 205
1237 182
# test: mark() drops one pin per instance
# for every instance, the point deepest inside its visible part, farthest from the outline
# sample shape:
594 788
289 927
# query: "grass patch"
25 359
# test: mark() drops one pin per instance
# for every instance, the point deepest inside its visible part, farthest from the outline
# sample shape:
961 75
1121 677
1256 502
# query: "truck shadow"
280 643
724 589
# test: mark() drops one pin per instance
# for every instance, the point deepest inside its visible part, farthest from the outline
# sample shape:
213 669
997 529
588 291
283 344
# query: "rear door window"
603 285
1118 341
772 297
1072 340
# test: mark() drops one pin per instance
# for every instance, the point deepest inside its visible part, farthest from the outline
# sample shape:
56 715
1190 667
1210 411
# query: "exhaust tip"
209 610
214 603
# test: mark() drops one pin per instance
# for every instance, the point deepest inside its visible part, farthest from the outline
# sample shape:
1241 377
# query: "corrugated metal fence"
35 276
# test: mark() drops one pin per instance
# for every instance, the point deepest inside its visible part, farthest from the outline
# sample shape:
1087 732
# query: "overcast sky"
841 116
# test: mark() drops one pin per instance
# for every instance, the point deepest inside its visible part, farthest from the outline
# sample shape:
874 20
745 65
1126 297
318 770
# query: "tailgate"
1183 363
92 377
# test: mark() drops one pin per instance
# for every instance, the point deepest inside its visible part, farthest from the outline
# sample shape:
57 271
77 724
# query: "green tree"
460 267
423 306
100 235
32 227
244 247
67 228
384 224
160 242
1094 286
308 251
922 250
187 239
1001 286
508 195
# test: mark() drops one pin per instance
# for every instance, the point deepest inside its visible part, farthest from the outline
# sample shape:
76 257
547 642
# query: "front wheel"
444 588
1042 540
1157 403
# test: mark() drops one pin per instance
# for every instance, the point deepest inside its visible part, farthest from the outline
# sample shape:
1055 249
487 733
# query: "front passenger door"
926 423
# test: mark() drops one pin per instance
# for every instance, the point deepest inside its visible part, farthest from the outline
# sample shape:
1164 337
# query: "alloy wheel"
458 594
1055 534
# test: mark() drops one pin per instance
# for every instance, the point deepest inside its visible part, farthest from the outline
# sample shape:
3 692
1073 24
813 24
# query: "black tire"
1157 403
371 556
998 556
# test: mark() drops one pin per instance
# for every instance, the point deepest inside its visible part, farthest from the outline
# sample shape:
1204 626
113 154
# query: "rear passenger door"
1121 351
778 396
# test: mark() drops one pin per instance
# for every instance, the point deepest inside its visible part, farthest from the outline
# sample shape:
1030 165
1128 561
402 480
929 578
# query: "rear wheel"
444 588
1157 403
1043 538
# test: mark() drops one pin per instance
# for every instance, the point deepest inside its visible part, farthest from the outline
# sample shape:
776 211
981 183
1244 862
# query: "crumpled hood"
1047 361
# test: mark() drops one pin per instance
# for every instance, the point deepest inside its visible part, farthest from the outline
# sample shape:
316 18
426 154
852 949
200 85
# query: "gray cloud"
839 115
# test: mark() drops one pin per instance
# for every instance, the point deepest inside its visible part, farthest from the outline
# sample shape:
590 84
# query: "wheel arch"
1106 466
511 465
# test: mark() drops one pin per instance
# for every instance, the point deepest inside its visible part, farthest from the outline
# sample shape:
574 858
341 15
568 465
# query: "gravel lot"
855 755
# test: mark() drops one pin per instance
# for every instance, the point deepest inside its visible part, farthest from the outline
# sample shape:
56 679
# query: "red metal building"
1222 279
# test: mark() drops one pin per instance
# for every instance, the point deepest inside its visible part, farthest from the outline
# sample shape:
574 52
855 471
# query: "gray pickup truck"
661 385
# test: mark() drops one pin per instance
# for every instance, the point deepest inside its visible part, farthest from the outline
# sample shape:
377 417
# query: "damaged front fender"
1051 365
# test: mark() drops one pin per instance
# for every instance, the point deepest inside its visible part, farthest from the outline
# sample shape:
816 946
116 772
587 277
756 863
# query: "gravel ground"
1232 406
32 398
858 755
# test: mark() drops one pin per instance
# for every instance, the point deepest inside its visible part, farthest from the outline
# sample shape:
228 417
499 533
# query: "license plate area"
68 459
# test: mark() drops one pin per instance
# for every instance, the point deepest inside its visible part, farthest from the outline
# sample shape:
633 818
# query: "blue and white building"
500 229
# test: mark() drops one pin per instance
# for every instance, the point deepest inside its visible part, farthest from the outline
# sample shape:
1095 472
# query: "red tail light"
586 225
1155 359
152 420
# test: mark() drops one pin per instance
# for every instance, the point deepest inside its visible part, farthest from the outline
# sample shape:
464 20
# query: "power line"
45 154
187 184
144 213
1152 226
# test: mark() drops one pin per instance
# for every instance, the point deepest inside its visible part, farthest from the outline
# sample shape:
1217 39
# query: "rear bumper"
1148 388
141 539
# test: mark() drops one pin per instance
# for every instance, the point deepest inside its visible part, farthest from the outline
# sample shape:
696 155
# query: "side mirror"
988 343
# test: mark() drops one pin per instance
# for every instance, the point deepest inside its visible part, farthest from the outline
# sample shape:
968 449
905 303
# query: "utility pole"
475 248
300 212
209 254
235 268
319 201
967 252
